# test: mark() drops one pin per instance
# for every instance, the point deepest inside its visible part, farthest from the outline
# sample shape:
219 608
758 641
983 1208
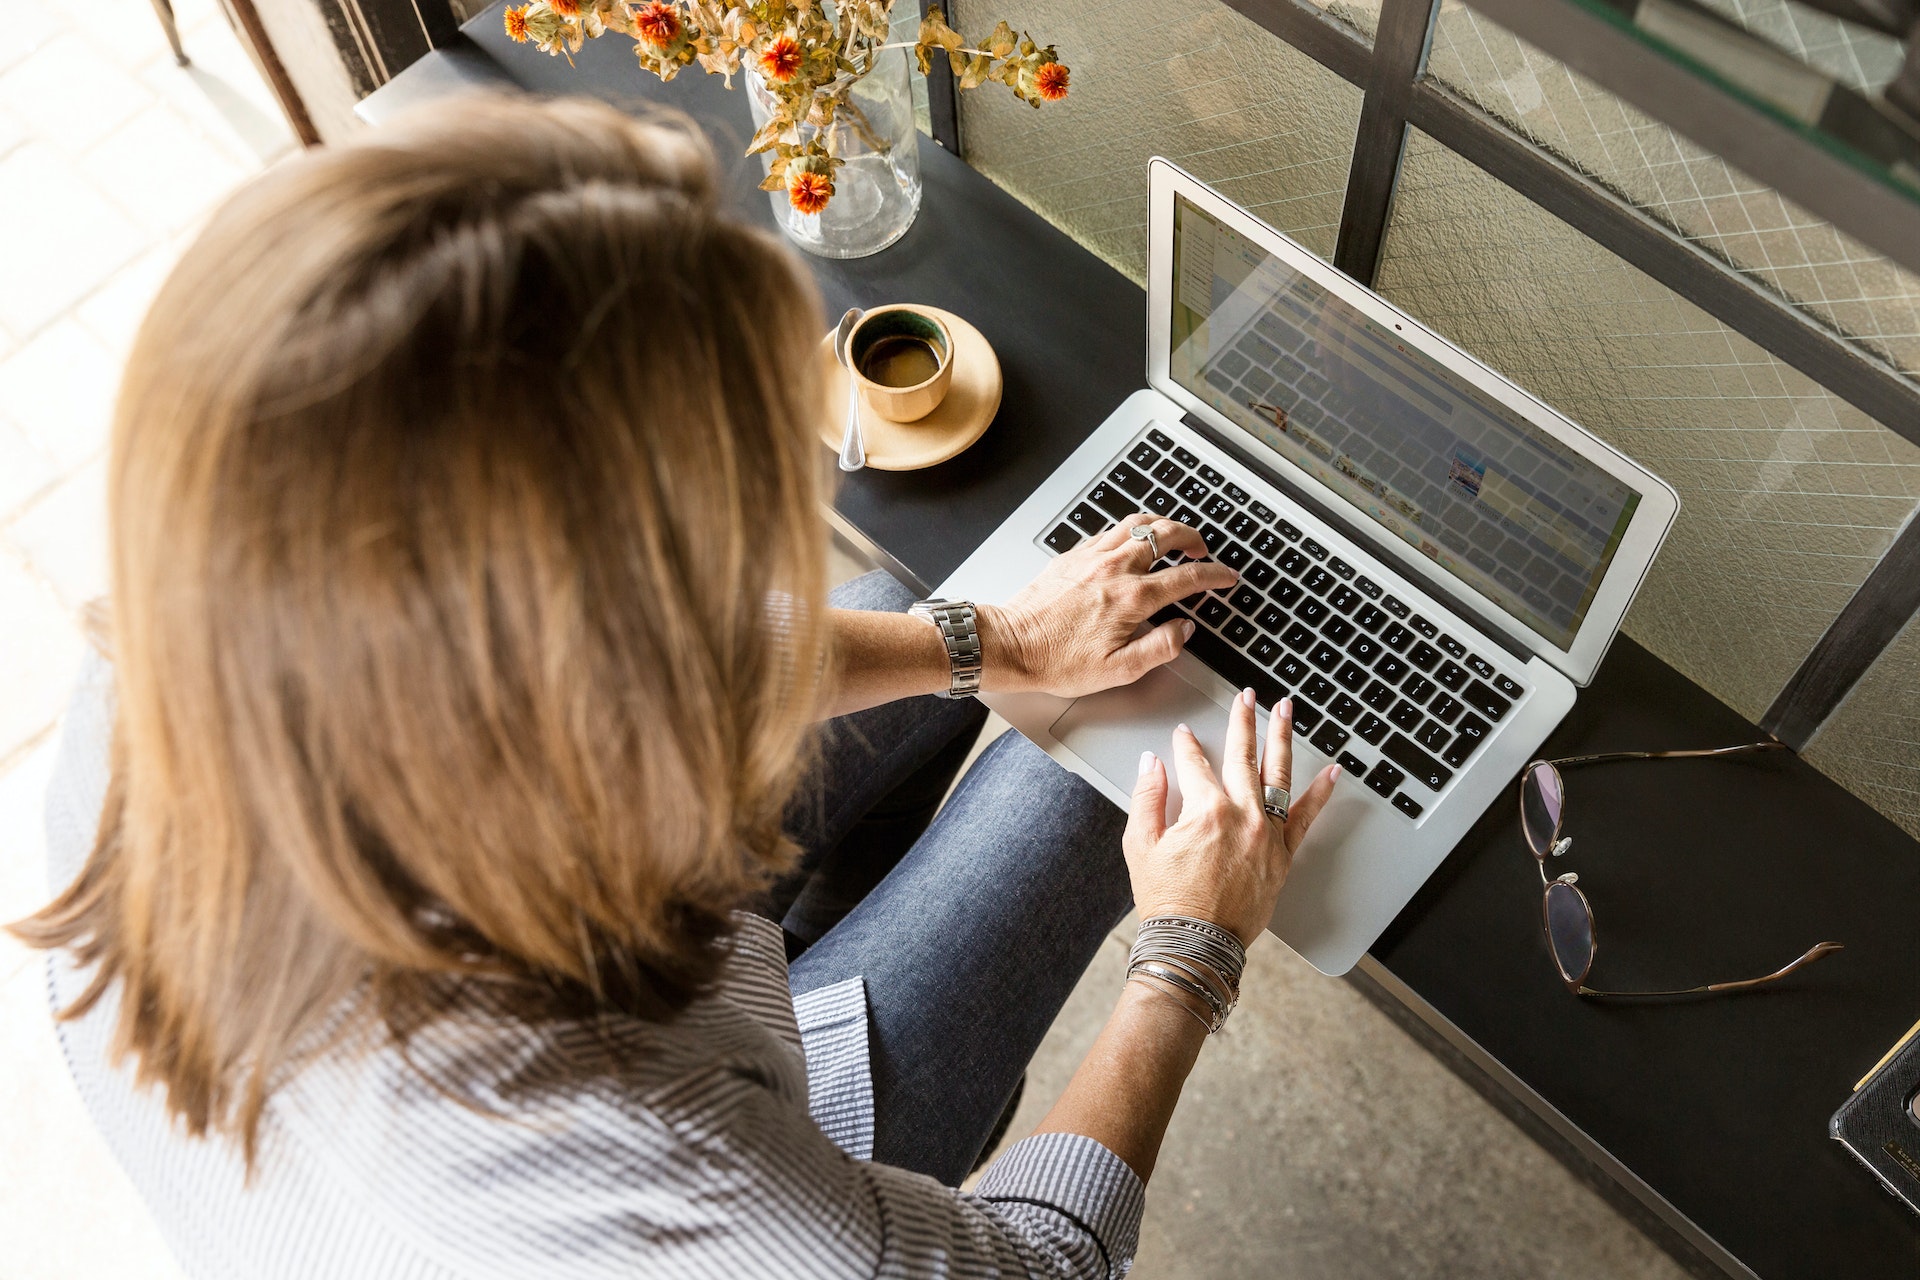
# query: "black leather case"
1879 1124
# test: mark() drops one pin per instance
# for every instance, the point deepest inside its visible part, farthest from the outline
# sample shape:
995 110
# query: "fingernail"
1186 629
1146 763
1286 706
1182 728
1334 776
1246 696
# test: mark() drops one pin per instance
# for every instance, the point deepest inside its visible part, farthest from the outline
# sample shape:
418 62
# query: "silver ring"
1275 801
1144 533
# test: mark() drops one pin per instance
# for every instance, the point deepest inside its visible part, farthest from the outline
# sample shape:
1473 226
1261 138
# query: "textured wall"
1872 743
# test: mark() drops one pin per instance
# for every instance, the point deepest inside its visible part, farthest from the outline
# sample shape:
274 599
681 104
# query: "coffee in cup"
902 359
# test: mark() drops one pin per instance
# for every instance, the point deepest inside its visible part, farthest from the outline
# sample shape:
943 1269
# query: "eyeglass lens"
1569 930
1540 801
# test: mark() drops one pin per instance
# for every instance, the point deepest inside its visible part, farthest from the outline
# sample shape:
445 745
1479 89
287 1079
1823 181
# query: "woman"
467 634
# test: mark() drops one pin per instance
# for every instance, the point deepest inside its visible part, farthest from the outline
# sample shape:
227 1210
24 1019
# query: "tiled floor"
109 155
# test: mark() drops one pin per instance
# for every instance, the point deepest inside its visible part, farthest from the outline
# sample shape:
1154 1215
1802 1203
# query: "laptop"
1432 561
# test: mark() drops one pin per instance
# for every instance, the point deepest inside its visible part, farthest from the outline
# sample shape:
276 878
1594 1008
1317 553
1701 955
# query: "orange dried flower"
809 192
780 61
517 24
565 8
1051 81
658 23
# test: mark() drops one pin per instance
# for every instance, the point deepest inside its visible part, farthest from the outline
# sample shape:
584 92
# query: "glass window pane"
1788 494
1872 743
1856 57
1187 79
1802 258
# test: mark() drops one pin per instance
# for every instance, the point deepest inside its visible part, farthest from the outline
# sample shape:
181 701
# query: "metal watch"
955 619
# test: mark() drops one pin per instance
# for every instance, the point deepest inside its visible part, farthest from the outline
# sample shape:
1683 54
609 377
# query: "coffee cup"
902 361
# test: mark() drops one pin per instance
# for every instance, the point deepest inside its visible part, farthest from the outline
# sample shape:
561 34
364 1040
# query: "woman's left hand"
1072 630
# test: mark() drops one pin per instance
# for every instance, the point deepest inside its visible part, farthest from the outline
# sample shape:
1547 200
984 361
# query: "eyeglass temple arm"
1607 756
1813 953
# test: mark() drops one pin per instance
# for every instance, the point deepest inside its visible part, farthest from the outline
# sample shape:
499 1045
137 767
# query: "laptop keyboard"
1400 704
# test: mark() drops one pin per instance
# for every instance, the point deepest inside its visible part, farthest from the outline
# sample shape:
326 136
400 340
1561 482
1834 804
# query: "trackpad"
1109 730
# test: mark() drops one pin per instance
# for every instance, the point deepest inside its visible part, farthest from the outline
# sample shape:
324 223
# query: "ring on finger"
1275 801
1144 533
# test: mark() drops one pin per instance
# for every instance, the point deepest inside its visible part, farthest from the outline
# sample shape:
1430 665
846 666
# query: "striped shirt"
731 1143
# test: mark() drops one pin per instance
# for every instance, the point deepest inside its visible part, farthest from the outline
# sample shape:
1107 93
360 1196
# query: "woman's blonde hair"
467 595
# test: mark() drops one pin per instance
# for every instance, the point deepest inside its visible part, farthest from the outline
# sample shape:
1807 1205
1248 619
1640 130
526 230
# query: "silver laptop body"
1432 559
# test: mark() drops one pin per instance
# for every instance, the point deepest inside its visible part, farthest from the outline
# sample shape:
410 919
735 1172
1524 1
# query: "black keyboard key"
1391 669
1330 739
1235 666
1352 675
1214 612
1271 620
1217 508
1305 716
1211 476
1420 766
1344 598
1368 587
1130 480
1418 689
1352 764
1244 526
1485 701
1364 650
1112 501
1318 580
1292 564
1407 805
1186 457
1451 675
1286 593
1247 600
1064 538
1432 736
1292 670
1314 549
1240 631
1380 696
1238 494
1370 618
1087 520
1343 708
1385 779
1405 716
1194 491
1312 612
1372 728
1189 517
1263 512
1479 666
1169 473
1161 440
1473 728
1289 530
1395 637
1144 456
1267 545
1423 655
1259 573
1338 630
1451 647
1233 555
1456 754
1444 708
1160 502
1297 638
1424 627
1214 536
1265 651
1508 688
1324 656
1341 569
1395 606
1318 690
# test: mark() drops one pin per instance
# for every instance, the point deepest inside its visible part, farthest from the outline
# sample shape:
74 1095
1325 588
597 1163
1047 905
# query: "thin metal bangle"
1172 993
1180 980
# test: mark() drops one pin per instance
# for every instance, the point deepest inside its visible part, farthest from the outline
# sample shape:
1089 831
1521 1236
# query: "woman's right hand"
1224 860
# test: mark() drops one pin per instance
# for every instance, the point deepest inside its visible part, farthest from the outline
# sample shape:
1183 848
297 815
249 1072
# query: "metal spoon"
853 449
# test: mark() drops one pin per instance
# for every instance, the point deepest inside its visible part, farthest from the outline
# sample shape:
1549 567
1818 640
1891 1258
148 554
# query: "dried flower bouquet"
808 59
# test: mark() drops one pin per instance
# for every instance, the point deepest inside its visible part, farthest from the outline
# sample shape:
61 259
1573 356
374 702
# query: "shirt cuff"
1079 1177
833 1031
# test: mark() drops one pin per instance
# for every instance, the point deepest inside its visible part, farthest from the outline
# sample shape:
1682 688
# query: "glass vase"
876 193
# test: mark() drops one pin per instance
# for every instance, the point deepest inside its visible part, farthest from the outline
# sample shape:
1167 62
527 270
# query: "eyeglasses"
1564 910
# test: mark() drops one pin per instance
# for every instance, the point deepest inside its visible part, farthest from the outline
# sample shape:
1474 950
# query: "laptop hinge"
1219 439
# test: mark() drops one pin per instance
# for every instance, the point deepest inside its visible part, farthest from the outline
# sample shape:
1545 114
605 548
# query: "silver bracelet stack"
1190 957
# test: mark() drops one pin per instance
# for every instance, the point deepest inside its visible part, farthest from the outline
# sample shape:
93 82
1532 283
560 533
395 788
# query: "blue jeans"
971 926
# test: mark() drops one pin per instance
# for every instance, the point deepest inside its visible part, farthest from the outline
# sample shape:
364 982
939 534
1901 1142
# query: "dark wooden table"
1709 1116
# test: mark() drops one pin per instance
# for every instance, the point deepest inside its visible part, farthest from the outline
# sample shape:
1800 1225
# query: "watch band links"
955 620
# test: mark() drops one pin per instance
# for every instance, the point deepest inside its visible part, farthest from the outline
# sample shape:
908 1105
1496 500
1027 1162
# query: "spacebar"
1236 667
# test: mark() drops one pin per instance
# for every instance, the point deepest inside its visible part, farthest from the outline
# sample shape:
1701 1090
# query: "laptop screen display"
1494 500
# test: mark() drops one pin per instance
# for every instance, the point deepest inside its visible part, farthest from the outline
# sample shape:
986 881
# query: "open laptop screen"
1494 500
